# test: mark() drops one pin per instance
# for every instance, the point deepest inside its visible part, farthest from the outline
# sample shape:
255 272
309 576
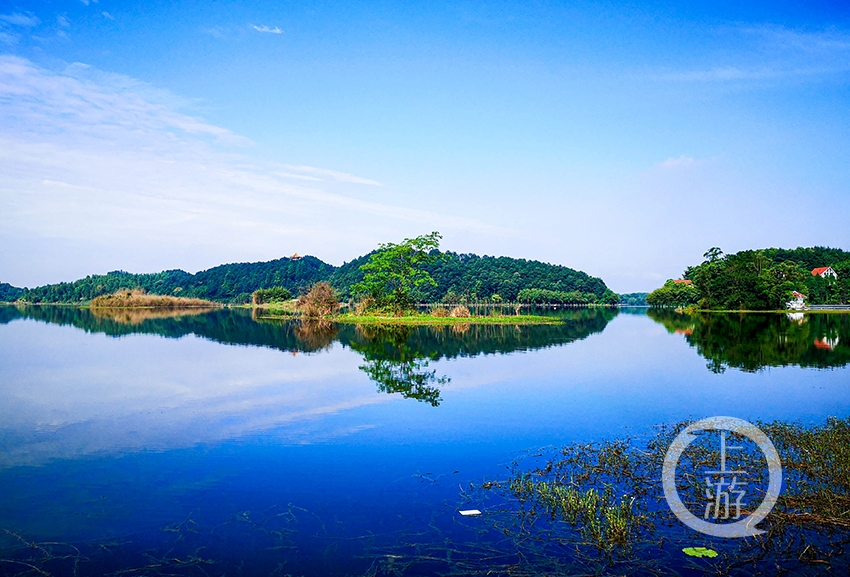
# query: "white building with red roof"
824 272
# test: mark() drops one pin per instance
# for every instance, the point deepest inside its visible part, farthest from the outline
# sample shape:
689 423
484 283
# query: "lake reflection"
236 444
753 341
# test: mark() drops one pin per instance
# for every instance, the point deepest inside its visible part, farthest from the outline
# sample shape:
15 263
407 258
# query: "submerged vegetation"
604 501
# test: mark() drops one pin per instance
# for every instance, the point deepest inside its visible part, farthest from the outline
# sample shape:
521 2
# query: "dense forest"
759 280
232 283
459 277
9 293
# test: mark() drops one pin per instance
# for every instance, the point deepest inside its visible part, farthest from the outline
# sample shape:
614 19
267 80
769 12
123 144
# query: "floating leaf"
699 552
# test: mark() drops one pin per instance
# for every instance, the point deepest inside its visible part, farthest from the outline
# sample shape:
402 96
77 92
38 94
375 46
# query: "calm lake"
217 443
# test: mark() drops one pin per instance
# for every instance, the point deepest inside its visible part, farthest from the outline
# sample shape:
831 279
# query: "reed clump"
137 298
320 301
460 312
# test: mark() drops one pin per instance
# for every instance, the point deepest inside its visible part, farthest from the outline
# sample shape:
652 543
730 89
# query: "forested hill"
808 258
478 278
225 283
458 277
9 293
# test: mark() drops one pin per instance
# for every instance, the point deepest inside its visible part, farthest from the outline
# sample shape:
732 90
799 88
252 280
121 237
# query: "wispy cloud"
96 158
774 52
267 29
18 19
323 174
63 21
682 162
108 16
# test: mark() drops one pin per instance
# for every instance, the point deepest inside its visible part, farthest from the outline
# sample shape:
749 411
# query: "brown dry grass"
137 298
319 301
461 312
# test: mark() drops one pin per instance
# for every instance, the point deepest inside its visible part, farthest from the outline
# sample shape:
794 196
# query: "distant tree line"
759 280
9 293
543 296
633 299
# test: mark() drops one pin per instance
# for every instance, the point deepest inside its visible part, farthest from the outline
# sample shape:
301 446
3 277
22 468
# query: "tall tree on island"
395 271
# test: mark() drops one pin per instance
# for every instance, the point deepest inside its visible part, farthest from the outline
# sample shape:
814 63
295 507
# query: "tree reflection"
316 334
752 341
395 365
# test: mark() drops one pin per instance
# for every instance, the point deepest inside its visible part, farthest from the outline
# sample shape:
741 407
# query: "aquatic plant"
606 497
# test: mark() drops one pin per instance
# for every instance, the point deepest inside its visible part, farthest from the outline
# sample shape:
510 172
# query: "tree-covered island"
395 280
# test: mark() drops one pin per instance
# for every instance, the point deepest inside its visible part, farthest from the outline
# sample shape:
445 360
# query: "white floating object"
470 512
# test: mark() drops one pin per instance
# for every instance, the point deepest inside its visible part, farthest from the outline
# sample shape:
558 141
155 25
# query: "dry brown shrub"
319 301
126 298
460 312
439 312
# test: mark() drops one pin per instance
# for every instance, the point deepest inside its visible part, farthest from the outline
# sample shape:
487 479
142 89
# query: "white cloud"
110 165
18 19
62 21
268 29
108 16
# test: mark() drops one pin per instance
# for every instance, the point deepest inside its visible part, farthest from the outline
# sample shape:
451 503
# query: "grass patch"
433 320
139 299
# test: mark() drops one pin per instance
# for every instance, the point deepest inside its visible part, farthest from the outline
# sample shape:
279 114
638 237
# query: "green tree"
395 271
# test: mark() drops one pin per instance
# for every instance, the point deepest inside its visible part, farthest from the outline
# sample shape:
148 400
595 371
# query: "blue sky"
623 139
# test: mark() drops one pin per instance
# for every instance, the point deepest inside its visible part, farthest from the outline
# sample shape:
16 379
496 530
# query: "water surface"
218 443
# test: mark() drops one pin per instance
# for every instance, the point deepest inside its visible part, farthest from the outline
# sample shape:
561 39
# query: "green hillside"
459 277
478 278
9 293
232 283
